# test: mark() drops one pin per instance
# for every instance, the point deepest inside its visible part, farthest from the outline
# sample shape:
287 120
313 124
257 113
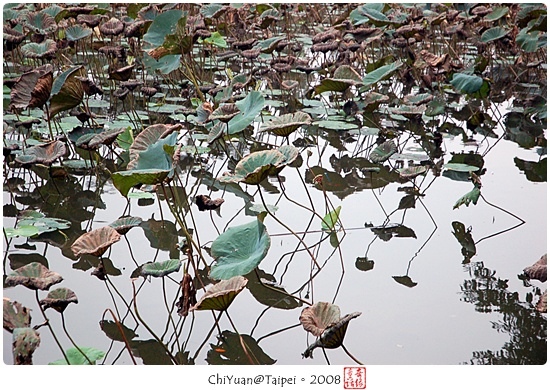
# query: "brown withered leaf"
542 304
95 242
59 299
315 319
538 270
34 276
15 315
189 296
32 89
205 203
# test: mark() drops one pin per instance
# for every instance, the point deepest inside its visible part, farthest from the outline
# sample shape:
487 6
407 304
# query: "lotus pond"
274 184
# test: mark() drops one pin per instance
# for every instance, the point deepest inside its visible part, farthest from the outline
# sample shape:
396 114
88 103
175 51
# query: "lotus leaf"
34 276
383 152
493 34
161 268
76 357
333 336
15 315
250 107
25 342
229 351
95 242
32 224
77 32
124 224
39 22
331 219
538 271
412 171
382 73
163 25
59 299
220 295
286 124
148 137
315 319
43 154
405 281
470 197
67 90
112 330
466 83
255 167
344 77
239 250
265 290
32 89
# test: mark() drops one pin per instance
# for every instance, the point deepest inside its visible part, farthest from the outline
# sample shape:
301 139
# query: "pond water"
420 213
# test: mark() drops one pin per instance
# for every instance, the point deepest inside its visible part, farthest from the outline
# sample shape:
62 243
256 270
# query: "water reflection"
526 327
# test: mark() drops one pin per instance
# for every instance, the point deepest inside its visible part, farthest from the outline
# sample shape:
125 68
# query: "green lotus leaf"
498 12
460 167
76 357
59 299
67 90
470 197
32 224
335 125
15 315
124 224
158 156
382 73
383 152
159 269
229 350
149 136
220 295
39 22
250 107
77 32
493 34
286 124
216 132
25 342
34 276
331 219
164 65
467 83
163 25
255 167
239 250
344 77
125 180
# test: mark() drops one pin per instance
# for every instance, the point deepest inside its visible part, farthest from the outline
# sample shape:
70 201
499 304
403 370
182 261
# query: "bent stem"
119 326
351 356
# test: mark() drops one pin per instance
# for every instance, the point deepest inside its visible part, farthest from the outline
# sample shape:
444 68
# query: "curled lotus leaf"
286 124
39 22
111 27
538 270
59 299
34 276
15 315
159 269
95 242
39 50
32 89
12 38
77 32
255 167
315 319
67 90
383 151
44 154
344 77
124 224
333 336
220 295
290 153
106 137
148 137
225 112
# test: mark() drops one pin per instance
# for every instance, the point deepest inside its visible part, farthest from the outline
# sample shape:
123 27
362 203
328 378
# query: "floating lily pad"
148 137
59 299
95 242
239 250
34 276
159 269
220 295
249 108
286 124
32 224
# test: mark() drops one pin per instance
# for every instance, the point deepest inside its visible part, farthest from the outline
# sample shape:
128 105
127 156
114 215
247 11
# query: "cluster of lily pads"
151 87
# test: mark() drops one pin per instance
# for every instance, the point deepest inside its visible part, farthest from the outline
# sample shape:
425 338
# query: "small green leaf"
470 197
331 219
161 268
77 357
216 39
466 83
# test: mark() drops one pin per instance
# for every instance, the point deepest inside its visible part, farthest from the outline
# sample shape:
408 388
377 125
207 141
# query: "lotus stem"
72 341
47 321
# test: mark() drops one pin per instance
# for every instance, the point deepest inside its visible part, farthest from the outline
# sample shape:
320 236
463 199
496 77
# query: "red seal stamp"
355 378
